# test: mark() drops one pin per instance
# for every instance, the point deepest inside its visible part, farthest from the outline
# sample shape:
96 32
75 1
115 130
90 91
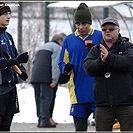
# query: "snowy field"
27 112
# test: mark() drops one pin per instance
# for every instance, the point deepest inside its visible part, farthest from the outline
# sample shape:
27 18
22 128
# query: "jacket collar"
3 29
119 40
89 33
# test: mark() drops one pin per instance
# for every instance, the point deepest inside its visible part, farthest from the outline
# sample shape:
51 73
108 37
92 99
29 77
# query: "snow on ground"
27 112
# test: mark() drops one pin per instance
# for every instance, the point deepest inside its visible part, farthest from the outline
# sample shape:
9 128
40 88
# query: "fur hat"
82 14
4 8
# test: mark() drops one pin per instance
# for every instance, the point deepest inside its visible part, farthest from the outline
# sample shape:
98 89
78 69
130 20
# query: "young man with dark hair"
9 63
77 45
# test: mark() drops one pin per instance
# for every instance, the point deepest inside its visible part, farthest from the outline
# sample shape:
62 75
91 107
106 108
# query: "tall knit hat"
4 8
82 14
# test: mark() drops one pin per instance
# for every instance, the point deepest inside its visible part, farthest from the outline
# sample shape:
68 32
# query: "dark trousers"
80 124
105 117
53 101
80 113
8 107
43 99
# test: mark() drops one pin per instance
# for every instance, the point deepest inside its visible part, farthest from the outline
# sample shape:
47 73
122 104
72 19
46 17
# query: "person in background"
55 89
8 76
44 78
77 45
111 63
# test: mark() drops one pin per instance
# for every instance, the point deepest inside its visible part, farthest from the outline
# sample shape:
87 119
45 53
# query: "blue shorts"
82 110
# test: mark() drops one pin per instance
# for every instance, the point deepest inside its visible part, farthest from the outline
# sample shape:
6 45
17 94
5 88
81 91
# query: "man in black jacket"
8 71
111 63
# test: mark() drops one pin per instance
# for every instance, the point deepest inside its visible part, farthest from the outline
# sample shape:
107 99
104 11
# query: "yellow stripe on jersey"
72 91
71 82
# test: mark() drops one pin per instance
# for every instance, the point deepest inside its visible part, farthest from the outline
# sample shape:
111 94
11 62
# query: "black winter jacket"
117 87
8 75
